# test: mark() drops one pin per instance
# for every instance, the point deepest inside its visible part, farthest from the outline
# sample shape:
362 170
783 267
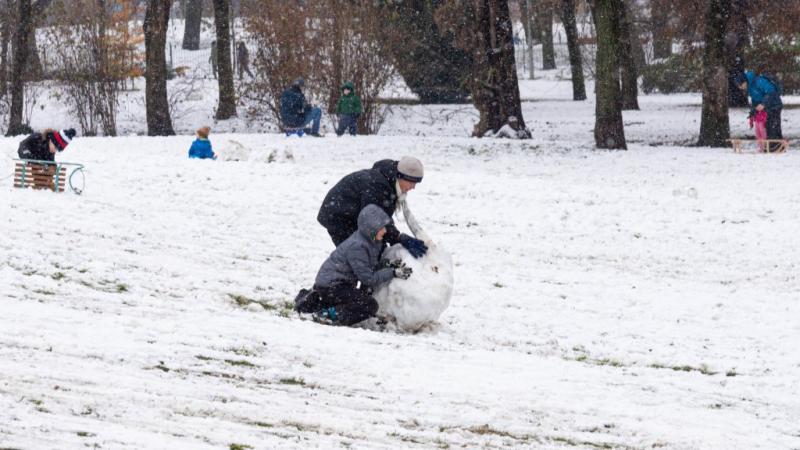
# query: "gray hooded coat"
355 259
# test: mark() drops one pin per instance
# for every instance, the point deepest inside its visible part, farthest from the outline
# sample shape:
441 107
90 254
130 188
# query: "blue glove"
416 247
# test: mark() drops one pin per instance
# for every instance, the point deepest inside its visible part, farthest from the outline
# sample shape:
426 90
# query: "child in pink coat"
759 122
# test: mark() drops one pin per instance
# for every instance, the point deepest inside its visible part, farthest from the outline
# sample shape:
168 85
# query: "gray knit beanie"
410 169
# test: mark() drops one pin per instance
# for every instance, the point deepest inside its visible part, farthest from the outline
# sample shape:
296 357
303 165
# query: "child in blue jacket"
201 147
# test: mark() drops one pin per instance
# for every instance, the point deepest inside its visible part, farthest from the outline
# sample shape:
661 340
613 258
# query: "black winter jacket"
345 200
293 107
35 146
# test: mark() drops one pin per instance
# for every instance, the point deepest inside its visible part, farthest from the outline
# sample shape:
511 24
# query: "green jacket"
350 103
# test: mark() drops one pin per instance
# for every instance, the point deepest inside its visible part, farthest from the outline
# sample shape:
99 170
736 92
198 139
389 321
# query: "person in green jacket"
348 108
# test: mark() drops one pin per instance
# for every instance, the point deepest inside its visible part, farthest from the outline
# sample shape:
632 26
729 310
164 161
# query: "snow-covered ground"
639 299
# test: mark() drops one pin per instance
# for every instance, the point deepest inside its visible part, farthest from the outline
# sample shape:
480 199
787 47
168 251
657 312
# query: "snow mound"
417 302
231 150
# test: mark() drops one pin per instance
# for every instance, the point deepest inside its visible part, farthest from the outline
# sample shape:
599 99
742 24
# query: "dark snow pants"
774 127
347 122
352 305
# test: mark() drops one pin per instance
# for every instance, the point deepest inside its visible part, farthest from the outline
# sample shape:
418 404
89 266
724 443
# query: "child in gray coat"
356 260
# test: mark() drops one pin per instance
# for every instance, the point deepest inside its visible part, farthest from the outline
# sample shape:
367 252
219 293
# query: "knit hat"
299 82
409 169
61 139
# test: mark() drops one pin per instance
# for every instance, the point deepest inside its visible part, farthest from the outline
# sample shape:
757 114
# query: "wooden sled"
740 145
46 175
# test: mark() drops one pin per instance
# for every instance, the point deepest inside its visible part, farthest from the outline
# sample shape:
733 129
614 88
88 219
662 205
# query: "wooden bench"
739 145
45 175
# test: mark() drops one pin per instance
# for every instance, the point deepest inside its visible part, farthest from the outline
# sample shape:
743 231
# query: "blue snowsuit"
201 149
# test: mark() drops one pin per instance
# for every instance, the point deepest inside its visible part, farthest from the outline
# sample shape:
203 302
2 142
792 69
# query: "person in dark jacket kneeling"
44 146
382 185
337 298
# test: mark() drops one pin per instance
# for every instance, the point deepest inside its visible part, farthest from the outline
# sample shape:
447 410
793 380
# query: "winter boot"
307 301
325 316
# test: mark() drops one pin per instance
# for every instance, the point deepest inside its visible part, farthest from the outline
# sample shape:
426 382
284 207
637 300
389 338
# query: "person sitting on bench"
296 113
42 146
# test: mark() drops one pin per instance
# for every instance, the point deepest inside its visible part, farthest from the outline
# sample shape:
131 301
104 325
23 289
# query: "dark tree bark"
21 49
156 18
5 40
545 15
226 108
191 29
659 16
575 58
736 41
630 74
609 131
527 24
425 55
714 125
495 89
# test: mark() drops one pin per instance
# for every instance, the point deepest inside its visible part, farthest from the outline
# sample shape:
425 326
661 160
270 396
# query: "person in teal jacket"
348 108
765 95
201 147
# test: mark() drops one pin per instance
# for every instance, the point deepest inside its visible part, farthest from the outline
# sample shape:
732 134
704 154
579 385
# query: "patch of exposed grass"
57 276
122 287
44 291
240 362
703 369
244 301
293 381
204 358
262 424
577 443
239 447
85 434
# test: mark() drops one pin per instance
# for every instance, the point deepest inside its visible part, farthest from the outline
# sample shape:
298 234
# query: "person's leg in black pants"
774 128
352 305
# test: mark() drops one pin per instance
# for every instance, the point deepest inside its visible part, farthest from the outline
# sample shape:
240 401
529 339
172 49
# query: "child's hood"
371 219
349 85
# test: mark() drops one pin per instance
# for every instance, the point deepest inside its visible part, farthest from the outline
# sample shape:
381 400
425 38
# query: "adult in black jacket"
381 185
43 146
296 112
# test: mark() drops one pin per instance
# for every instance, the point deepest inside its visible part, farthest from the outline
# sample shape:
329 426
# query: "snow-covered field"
639 299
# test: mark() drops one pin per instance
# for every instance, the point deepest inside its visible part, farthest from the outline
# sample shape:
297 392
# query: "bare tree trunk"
156 18
226 108
527 25
5 40
714 125
21 48
609 131
495 88
546 25
575 58
630 76
659 16
191 29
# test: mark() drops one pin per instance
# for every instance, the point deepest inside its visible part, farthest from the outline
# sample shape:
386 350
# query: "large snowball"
421 299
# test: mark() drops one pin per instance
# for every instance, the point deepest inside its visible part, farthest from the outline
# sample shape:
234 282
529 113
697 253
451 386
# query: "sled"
47 175
741 145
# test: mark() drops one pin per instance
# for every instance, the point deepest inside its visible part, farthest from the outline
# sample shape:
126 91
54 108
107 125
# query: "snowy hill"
640 299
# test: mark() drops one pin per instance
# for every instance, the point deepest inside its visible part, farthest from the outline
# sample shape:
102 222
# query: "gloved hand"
402 271
416 247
